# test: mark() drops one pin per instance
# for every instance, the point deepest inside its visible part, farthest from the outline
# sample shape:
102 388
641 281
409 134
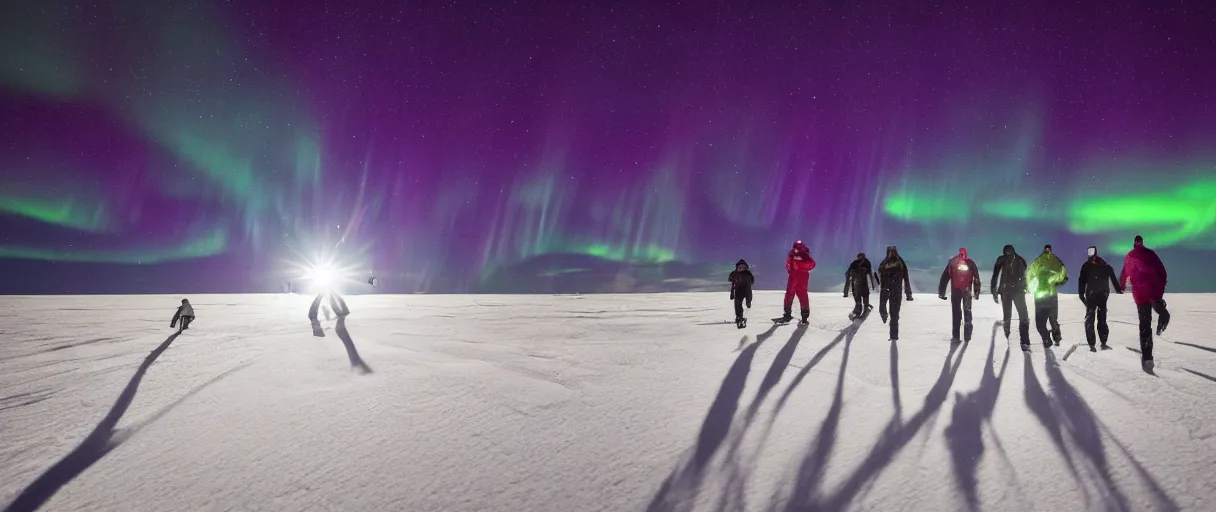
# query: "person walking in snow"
1093 290
1149 278
1010 268
893 282
798 264
1045 273
741 281
858 278
960 274
184 314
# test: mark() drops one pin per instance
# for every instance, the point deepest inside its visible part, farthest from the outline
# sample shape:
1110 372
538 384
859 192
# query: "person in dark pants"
184 314
961 273
857 278
893 282
1045 273
1093 290
1010 268
1149 278
741 281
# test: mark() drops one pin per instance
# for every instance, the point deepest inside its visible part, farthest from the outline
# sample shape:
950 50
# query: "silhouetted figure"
960 274
336 304
184 314
741 281
1045 273
1149 278
1010 268
857 278
1093 290
798 264
893 283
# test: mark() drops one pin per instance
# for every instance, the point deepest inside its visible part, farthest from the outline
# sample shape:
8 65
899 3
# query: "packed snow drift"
581 403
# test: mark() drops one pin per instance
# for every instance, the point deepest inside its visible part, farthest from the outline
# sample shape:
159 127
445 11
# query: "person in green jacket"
1045 273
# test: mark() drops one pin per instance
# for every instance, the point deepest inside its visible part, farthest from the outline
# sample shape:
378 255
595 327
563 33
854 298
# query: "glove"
909 298
1082 297
846 295
995 299
942 296
977 296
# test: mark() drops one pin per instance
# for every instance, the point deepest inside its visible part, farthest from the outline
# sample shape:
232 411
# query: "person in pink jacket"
798 264
1149 278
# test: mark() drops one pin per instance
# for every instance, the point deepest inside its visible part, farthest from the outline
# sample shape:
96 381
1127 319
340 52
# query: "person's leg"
857 304
1053 317
1145 312
895 299
1040 320
967 325
1091 309
1006 311
804 300
956 313
1019 301
1098 302
1163 315
884 295
789 297
865 294
738 306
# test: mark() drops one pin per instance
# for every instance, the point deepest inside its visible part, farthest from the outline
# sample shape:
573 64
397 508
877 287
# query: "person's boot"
787 316
1162 322
967 329
806 314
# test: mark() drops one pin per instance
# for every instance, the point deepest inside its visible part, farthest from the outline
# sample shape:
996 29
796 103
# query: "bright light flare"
323 277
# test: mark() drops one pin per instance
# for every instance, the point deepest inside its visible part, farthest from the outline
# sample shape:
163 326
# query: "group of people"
1012 279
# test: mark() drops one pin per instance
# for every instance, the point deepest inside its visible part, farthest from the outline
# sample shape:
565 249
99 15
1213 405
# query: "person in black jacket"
741 281
1010 268
893 282
857 278
1093 291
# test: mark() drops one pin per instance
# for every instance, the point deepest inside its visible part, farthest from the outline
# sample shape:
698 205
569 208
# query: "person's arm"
848 280
1086 268
1110 273
1123 275
907 282
976 284
941 286
996 271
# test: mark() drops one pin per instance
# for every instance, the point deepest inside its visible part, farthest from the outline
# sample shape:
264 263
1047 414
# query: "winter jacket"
860 272
1095 273
182 311
893 273
799 263
1044 274
1011 269
961 273
1147 273
741 280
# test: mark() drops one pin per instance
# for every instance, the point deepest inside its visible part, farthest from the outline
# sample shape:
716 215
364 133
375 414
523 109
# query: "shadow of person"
682 485
964 435
356 362
99 442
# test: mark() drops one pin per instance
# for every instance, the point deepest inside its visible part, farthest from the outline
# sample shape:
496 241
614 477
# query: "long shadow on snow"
1086 432
964 436
893 439
356 362
92 449
899 409
812 469
684 482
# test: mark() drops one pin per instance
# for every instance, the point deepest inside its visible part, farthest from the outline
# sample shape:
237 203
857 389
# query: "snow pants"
1047 311
741 297
185 320
1095 309
960 309
1009 300
1145 311
889 300
796 286
861 296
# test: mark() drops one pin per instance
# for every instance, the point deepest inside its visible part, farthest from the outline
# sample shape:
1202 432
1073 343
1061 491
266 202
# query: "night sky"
499 146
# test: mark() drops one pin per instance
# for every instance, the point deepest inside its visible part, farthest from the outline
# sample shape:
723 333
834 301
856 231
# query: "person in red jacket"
799 265
1148 276
961 273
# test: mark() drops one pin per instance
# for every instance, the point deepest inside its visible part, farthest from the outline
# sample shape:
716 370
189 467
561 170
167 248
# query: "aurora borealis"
594 146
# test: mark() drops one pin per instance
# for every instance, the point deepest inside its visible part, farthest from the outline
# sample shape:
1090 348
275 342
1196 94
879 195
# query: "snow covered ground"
575 403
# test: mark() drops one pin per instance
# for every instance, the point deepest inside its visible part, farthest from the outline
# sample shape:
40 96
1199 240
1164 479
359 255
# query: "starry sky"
554 147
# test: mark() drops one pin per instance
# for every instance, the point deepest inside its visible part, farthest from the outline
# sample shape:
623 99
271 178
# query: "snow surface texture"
575 403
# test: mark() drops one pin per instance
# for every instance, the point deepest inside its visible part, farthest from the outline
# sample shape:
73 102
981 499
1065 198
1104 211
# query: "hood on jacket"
1047 248
1092 251
1138 241
186 301
892 252
1009 250
861 256
962 253
799 246
742 263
